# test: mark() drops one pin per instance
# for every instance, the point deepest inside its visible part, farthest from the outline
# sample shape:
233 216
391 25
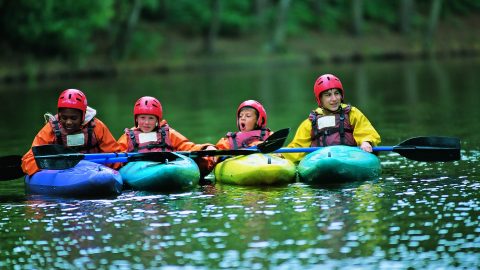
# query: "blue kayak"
338 164
86 179
172 175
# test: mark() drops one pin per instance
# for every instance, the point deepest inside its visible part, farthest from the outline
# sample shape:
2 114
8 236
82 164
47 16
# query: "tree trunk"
214 27
406 14
125 34
357 14
319 9
433 19
279 31
260 15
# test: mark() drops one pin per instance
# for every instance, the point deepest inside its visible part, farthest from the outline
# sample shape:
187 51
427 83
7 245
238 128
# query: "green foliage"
49 27
70 28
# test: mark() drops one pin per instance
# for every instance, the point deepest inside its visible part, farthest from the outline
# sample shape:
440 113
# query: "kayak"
175 175
338 164
255 169
86 179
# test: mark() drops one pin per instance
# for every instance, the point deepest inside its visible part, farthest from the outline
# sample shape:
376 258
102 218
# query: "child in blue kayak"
333 122
152 133
251 124
74 126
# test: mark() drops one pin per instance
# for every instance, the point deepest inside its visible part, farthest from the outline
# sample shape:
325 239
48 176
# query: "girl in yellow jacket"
333 122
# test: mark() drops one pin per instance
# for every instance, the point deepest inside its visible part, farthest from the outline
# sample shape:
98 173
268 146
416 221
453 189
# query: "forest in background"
49 38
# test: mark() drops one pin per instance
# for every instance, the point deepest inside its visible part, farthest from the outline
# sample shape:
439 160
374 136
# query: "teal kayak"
175 175
255 169
338 164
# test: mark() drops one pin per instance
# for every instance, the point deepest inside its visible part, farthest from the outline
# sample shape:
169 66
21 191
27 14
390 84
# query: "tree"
406 14
127 27
213 28
436 7
357 14
279 30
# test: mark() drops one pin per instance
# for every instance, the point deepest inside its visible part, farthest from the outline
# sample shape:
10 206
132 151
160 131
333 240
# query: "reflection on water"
416 216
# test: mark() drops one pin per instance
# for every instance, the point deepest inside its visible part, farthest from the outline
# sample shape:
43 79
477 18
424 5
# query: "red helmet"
73 99
262 114
324 83
147 105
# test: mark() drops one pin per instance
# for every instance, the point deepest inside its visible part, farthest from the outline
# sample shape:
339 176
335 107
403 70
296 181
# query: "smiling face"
146 122
247 119
70 119
331 99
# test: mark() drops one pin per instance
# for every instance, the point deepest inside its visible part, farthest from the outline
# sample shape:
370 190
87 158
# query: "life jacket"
84 142
154 141
245 139
332 129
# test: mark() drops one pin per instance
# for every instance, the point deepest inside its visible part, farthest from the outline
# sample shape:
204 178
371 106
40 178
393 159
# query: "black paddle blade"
274 142
11 167
155 157
430 149
55 157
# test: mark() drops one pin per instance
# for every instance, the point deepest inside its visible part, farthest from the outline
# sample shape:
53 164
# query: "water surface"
416 216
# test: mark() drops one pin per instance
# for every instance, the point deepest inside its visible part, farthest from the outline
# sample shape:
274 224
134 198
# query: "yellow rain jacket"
362 131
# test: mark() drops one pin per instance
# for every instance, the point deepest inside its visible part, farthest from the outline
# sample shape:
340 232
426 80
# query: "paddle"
57 157
430 149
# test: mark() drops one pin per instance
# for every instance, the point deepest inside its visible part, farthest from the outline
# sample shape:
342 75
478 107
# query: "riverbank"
178 54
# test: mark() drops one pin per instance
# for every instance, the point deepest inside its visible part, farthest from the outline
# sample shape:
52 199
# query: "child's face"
146 122
247 119
331 99
70 119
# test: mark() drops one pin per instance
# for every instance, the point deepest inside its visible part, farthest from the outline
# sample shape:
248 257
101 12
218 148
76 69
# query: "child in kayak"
251 124
74 126
152 133
333 122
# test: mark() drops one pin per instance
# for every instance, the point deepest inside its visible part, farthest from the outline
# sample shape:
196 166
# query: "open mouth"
242 125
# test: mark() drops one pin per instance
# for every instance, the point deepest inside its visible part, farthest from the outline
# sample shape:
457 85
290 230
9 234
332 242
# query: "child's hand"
366 146
210 147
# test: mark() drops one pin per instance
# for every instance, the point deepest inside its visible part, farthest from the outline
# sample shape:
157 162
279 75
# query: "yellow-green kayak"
255 169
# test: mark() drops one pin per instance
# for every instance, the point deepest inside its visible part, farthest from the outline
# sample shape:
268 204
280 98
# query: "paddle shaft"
313 149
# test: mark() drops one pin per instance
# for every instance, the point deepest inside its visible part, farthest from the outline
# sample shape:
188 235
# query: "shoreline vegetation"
366 50
176 52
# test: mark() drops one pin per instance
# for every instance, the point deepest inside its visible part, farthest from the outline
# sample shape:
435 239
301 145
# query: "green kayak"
338 164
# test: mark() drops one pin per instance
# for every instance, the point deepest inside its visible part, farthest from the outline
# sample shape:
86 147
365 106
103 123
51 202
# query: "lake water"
416 216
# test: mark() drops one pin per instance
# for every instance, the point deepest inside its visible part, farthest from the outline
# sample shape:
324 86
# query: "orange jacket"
106 143
224 144
179 143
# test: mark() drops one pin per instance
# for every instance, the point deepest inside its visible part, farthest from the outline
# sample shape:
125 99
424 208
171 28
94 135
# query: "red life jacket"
334 129
245 139
89 143
161 142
